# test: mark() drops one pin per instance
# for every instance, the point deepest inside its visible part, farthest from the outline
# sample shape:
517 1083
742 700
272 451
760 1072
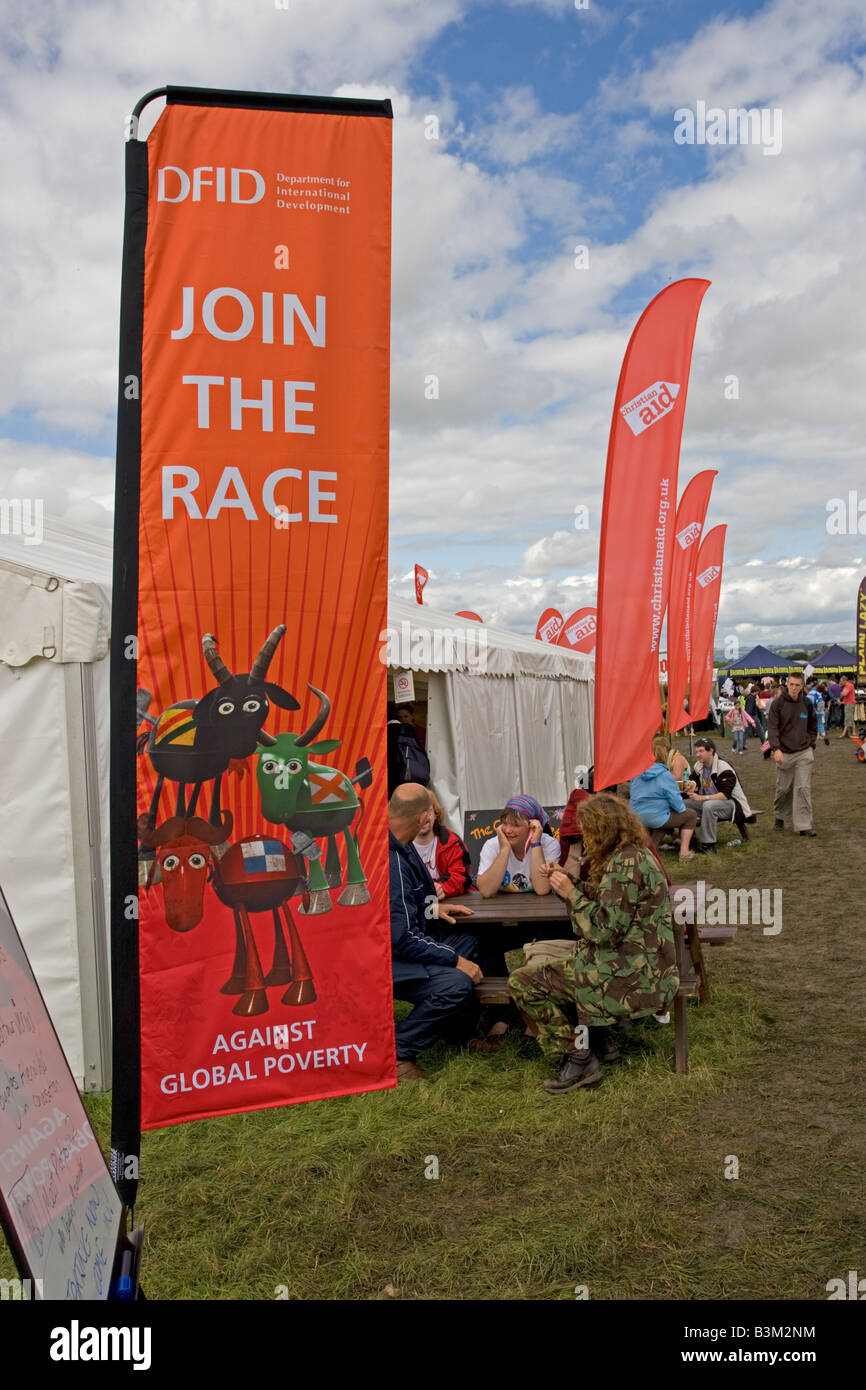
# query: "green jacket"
625 956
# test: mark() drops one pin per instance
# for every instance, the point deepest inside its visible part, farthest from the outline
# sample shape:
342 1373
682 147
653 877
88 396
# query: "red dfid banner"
549 626
691 515
579 631
861 633
473 617
708 582
640 489
256 287
421 577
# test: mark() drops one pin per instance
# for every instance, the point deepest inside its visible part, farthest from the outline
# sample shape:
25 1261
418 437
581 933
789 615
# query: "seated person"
676 762
624 962
570 833
434 969
719 796
655 799
443 853
512 860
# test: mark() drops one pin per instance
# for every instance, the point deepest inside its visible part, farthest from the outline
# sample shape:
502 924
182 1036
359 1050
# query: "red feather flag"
421 577
640 490
708 582
549 625
691 514
579 631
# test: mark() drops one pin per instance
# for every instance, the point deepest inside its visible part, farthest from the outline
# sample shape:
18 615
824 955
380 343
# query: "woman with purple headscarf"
514 859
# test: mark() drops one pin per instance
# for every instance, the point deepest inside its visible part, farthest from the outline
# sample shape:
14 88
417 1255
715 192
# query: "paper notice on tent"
404 687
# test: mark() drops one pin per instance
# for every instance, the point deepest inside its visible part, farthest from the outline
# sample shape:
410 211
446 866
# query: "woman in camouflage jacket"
624 965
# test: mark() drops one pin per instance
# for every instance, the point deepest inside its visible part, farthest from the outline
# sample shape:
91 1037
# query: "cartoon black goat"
196 741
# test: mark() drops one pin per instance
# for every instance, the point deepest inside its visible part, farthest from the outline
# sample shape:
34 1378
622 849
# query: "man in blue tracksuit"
434 970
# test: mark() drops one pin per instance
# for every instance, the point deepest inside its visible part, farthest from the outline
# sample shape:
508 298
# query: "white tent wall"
444 747
486 726
54 718
539 741
577 715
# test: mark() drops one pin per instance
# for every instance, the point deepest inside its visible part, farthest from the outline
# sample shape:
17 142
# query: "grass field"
621 1188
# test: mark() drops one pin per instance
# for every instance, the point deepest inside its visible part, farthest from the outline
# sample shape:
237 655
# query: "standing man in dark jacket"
793 733
434 970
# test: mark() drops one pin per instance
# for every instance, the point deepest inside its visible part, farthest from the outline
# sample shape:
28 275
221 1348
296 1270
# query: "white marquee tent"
504 714
516 716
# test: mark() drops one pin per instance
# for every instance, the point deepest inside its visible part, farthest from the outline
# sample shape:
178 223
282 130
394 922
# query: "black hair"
705 743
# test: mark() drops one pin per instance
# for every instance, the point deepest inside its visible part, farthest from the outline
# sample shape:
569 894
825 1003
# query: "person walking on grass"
818 695
736 719
848 697
793 733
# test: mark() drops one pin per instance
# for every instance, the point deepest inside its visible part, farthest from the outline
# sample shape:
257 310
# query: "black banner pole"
126 1080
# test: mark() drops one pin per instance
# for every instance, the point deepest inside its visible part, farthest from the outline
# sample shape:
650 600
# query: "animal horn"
209 834
168 831
319 722
213 658
263 660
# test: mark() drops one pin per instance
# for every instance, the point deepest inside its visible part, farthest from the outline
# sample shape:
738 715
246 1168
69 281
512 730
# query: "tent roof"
835 658
69 552
414 645
761 660
85 553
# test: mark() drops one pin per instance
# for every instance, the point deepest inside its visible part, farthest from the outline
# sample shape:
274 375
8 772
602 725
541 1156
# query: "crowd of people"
573 996
834 701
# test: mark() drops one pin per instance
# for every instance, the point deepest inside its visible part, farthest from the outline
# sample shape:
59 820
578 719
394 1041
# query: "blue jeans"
445 1003
739 740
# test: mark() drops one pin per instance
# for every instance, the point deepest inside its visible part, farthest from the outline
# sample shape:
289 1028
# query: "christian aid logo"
173 185
550 631
584 628
689 534
708 575
651 405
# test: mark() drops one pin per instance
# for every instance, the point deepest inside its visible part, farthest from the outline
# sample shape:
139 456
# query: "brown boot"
577 1069
407 1071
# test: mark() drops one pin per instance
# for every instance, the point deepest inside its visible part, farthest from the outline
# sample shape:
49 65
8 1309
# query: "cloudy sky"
555 130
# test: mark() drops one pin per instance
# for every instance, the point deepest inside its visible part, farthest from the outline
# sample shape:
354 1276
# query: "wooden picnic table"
508 920
516 918
511 909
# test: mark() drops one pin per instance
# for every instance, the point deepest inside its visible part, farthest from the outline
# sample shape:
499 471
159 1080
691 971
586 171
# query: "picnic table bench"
528 910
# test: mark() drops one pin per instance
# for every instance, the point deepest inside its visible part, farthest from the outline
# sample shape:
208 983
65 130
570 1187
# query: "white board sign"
60 1208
